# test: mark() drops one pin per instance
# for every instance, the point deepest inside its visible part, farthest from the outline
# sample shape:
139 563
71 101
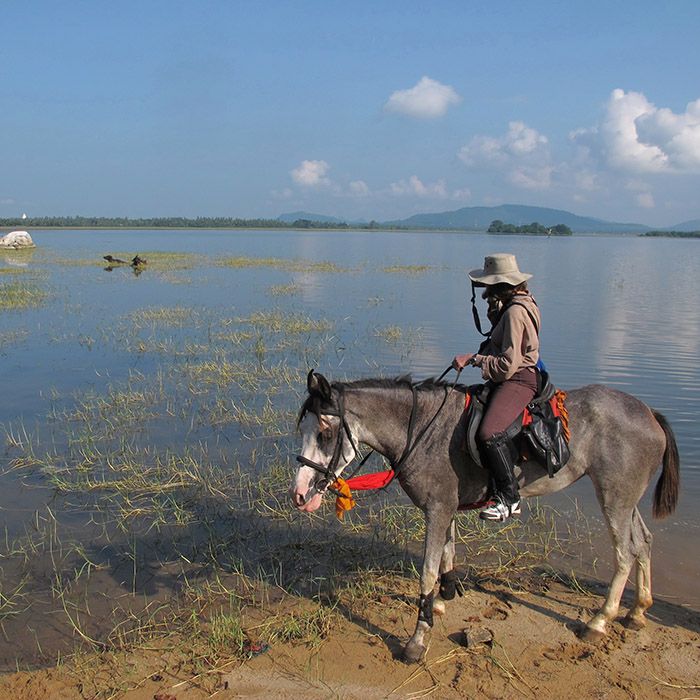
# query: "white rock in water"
17 239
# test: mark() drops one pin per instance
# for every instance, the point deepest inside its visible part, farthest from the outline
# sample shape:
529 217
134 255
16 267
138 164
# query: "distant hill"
693 225
308 216
479 218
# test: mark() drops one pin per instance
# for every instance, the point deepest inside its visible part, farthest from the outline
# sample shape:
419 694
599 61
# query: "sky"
361 110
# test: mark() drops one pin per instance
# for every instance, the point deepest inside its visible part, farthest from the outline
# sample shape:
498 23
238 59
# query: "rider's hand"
461 361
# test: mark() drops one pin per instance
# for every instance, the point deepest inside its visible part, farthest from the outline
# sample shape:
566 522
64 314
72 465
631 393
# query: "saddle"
540 432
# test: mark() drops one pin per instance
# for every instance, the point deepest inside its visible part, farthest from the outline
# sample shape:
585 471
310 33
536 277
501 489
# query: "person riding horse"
508 359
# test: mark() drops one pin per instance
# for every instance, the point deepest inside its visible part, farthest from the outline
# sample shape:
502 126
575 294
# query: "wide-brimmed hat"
499 268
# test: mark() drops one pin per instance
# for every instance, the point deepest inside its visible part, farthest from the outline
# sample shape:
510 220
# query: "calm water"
616 310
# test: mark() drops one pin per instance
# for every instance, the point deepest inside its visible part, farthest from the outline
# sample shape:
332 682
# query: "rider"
507 359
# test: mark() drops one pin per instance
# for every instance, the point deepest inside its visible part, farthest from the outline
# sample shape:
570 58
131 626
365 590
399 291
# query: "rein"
329 471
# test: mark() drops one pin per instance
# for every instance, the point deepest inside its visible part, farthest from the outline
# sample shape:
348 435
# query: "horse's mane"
314 404
405 381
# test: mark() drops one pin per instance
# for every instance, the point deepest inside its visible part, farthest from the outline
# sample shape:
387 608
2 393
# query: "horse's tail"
668 485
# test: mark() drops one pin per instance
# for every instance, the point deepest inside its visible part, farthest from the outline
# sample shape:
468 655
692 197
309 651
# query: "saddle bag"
545 435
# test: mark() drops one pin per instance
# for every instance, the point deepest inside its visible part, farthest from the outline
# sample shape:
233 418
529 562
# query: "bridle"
329 471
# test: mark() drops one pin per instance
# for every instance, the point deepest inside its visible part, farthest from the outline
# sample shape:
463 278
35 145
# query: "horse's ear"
318 385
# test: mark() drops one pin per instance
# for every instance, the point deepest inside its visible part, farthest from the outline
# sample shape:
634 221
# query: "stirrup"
500 511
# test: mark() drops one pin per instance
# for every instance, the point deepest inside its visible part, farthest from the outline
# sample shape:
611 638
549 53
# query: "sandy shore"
533 652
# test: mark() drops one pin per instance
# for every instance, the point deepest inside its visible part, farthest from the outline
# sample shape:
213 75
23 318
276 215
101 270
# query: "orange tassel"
563 413
344 501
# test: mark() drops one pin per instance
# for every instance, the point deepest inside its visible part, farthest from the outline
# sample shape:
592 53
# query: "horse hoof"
413 653
438 607
592 636
635 623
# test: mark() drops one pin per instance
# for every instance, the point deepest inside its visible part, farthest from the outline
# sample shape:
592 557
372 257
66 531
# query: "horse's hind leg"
620 526
641 543
448 577
437 532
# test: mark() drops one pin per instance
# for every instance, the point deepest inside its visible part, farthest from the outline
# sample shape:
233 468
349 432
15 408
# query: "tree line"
672 234
180 222
533 229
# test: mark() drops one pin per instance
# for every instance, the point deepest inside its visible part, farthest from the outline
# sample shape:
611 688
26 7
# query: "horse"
617 440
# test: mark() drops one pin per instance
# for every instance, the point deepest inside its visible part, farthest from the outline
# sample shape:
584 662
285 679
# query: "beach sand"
531 650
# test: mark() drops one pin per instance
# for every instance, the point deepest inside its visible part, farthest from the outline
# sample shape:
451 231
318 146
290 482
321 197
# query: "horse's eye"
324 437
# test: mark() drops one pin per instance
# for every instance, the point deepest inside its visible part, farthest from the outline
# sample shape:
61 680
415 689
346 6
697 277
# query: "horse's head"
327 443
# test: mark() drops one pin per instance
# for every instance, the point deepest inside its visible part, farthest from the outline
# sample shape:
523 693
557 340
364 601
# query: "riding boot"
500 458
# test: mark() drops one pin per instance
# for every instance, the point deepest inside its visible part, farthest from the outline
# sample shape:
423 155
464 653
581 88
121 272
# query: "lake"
201 359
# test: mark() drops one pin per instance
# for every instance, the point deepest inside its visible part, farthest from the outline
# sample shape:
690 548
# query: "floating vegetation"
162 316
279 263
16 296
406 269
392 334
172 261
11 337
280 322
284 290
250 377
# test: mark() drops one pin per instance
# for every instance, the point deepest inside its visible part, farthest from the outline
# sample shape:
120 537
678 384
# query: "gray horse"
616 440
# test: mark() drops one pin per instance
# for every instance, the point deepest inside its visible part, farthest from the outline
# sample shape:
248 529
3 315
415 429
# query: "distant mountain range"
692 225
479 218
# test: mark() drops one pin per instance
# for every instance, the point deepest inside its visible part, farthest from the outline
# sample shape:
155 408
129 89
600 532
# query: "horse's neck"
379 417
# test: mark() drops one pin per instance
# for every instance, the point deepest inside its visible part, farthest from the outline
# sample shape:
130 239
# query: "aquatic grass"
284 290
278 321
17 296
162 316
406 269
391 334
249 376
240 262
12 271
12 337
158 259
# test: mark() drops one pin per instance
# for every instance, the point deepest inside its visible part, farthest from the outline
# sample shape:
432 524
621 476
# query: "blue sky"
354 109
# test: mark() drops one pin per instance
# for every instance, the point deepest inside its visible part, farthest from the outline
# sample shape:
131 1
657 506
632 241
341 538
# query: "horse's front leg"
436 534
448 576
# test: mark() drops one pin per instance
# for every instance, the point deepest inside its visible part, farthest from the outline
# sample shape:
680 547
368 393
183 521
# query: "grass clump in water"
240 262
279 322
284 290
406 269
162 316
16 296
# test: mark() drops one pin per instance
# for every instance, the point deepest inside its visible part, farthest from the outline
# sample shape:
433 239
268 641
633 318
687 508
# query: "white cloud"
427 99
637 137
463 194
414 186
519 142
646 200
522 154
359 188
311 173
531 177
